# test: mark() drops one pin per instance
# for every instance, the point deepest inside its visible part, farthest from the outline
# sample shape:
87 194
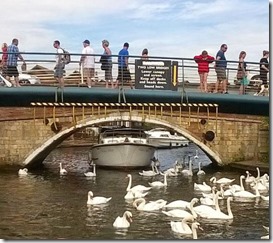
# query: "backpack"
67 57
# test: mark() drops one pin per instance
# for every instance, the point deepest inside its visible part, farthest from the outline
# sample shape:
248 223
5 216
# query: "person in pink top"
203 62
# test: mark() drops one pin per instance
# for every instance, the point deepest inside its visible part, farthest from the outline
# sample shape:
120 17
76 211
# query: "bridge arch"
37 156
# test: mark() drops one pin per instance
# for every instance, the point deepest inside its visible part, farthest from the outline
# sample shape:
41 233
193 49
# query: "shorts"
123 74
12 71
89 72
59 70
221 73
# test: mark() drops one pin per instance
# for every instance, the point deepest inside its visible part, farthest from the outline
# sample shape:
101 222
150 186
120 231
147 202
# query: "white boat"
123 148
162 138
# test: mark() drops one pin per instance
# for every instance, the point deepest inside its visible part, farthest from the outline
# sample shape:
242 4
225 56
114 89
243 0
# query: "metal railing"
42 65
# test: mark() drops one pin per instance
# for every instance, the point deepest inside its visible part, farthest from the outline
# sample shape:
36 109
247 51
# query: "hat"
87 42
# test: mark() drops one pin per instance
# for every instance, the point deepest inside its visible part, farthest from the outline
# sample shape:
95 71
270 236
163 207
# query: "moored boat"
126 148
162 138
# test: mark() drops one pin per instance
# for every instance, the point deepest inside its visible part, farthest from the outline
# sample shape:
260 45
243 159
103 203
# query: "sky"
173 28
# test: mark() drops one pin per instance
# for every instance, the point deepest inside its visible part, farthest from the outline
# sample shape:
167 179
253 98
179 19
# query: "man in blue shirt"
13 55
123 69
220 68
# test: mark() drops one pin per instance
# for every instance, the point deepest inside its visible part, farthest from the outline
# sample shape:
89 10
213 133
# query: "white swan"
240 187
180 213
200 172
23 171
246 194
137 187
92 174
152 172
223 180
265 237
194 227
141 205
136 194
196 154
217 214
124 221
182 227
207 201
62 170
96 200
159 183
189 171
265 198
178 204
249 177
202 187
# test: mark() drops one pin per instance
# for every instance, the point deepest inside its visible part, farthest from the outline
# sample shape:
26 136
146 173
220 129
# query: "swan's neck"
94 169
229 208
192 209
199 166
257 190
165 179
194 232
61 166
129 184
216 198
156 170
241 183
190 166
258 173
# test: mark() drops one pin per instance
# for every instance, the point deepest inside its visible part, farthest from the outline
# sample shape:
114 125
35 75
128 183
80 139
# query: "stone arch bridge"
224 137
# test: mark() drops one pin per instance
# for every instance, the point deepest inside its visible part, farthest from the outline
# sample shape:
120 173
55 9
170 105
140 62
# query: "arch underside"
36 157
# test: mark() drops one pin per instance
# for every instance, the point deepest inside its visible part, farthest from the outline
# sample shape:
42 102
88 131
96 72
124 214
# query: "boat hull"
168 143
123 155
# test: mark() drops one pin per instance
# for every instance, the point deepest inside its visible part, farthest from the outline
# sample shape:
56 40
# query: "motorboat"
162 138
126 148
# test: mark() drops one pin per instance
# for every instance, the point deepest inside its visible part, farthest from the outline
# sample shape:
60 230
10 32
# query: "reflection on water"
45 205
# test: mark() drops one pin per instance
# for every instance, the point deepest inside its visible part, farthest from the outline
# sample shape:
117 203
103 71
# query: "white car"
28 79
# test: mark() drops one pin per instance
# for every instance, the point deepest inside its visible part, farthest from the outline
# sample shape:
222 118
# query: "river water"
45 205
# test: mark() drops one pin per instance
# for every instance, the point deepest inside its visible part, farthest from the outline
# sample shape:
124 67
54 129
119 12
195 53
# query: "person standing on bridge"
220 69
107 54
13 55
203 62
123 68
241 73
59 67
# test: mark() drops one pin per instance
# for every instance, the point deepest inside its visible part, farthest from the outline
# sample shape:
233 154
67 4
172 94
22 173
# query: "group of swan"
96 200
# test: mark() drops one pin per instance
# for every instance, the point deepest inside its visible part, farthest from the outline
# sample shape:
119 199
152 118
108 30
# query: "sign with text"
156 74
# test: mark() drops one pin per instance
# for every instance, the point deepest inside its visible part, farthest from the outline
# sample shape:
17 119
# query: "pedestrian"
264 67
220 68
203 62
13 55
108 63
241 73
60 65
87 62
123 68
144 54
264 70
4 59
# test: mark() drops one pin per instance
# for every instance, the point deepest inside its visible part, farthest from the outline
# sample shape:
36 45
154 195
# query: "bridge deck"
228 103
